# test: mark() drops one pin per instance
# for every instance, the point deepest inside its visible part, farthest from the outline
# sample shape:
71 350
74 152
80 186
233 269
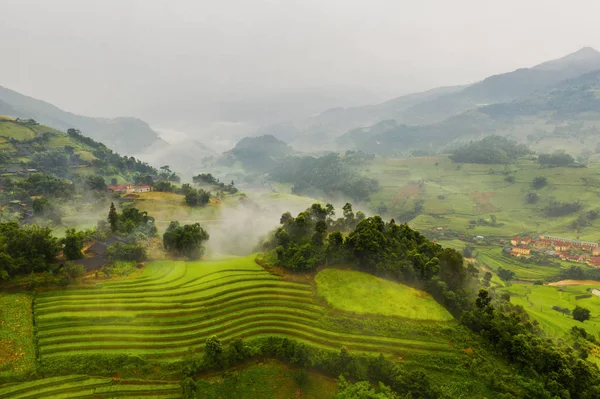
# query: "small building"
143 189
515 241
595 261
121 188
526 241
520 251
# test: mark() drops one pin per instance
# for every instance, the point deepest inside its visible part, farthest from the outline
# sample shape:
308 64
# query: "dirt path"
574 282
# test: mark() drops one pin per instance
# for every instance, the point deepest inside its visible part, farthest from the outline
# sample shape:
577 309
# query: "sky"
153 58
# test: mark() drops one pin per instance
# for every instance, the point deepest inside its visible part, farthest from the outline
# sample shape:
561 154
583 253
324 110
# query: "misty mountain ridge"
563 116
124 134
436 105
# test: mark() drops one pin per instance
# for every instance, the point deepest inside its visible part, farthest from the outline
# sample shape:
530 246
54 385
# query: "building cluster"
557 247
127 188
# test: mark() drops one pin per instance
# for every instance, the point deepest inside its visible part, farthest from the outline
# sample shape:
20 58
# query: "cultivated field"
175 306
363 293
268 380
538 300
453 195
83 386
17 352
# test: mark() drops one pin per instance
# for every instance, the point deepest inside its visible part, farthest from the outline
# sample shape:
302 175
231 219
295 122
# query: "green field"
268 380
175 306
538 300
17 351
84 386
363 293
453 195
493 258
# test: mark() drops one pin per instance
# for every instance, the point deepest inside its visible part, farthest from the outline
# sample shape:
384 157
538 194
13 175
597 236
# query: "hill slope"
127 135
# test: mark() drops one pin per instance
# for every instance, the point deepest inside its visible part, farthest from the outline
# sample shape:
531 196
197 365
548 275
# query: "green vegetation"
72 386
366 294
17 351
456 198
329 176
269 380
490 150
187 240
540 300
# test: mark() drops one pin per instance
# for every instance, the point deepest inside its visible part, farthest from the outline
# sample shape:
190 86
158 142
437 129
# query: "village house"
518 251
143 189
595 261
121 188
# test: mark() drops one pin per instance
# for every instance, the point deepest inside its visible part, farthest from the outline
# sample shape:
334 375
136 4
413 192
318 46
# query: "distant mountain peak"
585 57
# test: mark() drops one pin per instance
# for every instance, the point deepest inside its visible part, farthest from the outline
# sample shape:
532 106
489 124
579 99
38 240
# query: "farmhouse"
121 188
518 251
143 189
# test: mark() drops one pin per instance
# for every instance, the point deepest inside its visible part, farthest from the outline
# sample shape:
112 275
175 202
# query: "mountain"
258 154
434 106
504 87
563 116
306 134
126 135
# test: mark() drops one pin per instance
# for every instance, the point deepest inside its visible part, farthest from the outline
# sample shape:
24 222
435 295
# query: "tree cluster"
187 240
490 150
131 220
558 158
26 249
209 179
310 240
510 331
326 176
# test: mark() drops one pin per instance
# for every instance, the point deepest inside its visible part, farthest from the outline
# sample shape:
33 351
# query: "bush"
126 252
581 314
539 182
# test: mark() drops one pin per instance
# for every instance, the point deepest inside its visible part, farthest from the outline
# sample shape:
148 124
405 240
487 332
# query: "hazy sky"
127 57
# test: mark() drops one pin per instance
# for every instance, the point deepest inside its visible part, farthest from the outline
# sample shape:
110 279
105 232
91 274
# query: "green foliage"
362 390
72 270
126 252
197 197
96 183
533 198
73 244
539 182
505 274
558 158
187 240
164 186
207 178
490 150
558 208
508 328
327 176
263 153
214 350
26 249
581 314
113 217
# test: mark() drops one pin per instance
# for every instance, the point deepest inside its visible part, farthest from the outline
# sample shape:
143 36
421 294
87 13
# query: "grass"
173 306
363 293
538 300
493 258
91 387
268 380
10 129
17 351
454 195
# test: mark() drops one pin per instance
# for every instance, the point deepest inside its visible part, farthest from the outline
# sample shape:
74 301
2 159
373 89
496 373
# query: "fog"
190 65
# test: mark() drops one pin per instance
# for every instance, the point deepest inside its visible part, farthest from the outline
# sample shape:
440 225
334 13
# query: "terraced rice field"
83 386
175 306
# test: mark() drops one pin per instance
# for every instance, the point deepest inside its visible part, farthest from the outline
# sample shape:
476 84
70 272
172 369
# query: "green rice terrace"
175 306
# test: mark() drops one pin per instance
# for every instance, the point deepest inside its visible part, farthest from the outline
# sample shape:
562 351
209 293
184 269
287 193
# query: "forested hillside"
124 135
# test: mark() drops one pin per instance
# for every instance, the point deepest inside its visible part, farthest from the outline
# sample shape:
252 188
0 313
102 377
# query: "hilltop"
124 134
419 122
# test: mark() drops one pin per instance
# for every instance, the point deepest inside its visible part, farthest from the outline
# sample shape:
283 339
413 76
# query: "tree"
539 182
214 350
581 314
191 198
532 198
487 277
73 244
96 183
187 240
113 217
505 274
114 181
